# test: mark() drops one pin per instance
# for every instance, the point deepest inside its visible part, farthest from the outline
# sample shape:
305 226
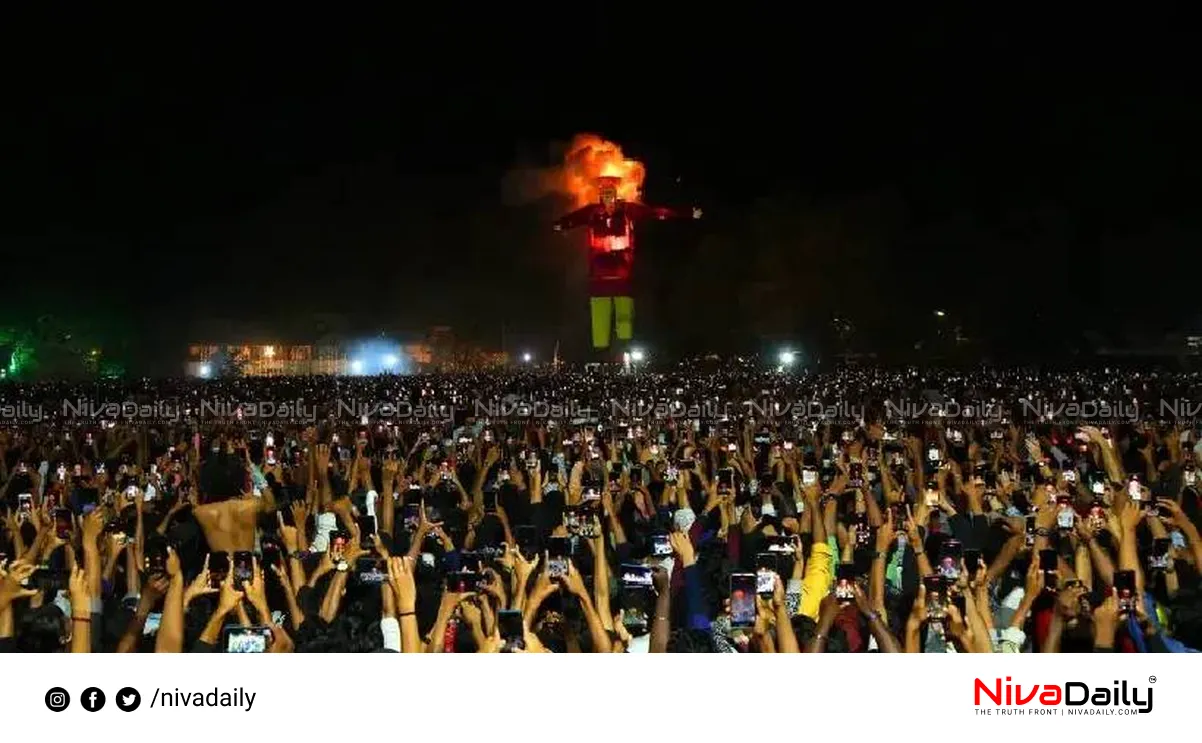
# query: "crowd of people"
693 509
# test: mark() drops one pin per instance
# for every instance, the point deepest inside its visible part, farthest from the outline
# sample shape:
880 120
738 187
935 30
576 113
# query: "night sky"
1034 177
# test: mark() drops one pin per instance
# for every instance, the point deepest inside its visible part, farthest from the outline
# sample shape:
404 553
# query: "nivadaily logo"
1070 697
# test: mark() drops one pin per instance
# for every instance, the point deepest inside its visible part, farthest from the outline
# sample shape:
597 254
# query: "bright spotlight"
269 351
205 370
940 313
637 355
357 366
787 358
390 361
527 357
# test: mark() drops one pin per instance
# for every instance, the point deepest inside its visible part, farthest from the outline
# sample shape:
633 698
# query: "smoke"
525 184
574 178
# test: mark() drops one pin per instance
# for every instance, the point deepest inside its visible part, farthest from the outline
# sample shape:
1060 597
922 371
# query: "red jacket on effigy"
611 242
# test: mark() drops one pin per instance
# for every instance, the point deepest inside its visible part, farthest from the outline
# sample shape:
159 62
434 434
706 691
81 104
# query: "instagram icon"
57 699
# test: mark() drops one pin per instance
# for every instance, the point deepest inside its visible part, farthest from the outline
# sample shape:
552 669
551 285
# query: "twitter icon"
128 699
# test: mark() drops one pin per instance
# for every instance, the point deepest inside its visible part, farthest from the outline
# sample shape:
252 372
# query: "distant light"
357 366
787 358
95 351
527 357
269 351
637 355
391 361
940 313
205 370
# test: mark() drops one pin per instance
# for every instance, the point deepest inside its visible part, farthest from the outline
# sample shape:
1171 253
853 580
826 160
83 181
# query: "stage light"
527 357
205 370
940 313
269 351
390 361
637 355
357 366
787 358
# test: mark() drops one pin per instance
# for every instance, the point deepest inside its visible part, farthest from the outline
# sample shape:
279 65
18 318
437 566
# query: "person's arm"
133 569
914 622
1066 608
291 539
93 527
11 588
1031 591
170 638
697 615
296 616
256 594
601 578
1129 517
81 619
165 524
332 600
1182 521
228 600
543 587
472 613
1110 460
1010 549
13 526
507 533
661 623
876 576
1156 528
575 585
450 601
300 516
386 505
786 640
400 577
885 641
959 631
117 545
978 631
827 611
1105 624
154 589
520 577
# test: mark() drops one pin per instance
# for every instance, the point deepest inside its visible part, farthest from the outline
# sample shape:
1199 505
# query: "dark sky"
252 178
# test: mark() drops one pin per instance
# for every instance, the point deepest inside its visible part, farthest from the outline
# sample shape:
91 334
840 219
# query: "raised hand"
256 590
12 580
229 597
93 527
683 547
574 582
173 567
523 568
289 535
400 578
78 591
201 585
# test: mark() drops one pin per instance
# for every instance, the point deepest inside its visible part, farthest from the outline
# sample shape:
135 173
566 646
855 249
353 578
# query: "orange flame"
590 158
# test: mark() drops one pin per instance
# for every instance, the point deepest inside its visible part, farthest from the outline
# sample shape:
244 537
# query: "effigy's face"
609 198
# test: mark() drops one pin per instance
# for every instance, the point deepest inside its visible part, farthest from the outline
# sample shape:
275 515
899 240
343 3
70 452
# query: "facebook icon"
92 699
